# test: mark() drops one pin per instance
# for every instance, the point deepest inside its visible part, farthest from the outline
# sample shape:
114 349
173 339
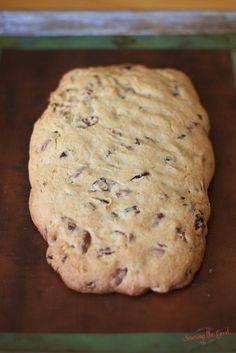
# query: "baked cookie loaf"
120 163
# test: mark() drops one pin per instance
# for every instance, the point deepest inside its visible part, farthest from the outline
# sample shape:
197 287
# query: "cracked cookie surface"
120 163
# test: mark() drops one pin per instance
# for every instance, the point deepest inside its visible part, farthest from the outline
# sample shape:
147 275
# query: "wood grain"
32 296
74 23
118 4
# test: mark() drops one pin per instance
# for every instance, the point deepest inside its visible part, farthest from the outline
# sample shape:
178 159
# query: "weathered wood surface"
116 22
32 296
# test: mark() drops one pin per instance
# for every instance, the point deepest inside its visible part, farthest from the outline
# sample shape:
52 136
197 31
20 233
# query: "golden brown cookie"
120 163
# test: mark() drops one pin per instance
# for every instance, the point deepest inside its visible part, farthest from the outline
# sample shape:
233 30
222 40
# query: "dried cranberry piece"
78 172
158 252
122 193
44 145
160 215
199 222
71 225
157 218
119 275
86 241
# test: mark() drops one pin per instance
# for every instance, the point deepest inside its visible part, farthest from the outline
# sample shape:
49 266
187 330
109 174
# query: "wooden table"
118 4
37 312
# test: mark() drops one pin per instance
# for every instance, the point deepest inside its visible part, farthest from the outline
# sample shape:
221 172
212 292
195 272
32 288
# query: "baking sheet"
32 296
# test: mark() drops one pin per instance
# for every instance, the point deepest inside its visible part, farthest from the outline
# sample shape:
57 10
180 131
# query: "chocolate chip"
116 133
175 90
86 241
132 237
181 136
102 200
105 251
181 234
89 91
91 285
199 116
138 176
108 153
98 79
160 245
63 155
130 89
134 208
64 259
149 138
89 121
115 215
168 158
92 206
118 232
55 106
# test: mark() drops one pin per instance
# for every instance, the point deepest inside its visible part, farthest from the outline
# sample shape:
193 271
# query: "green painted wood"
115 343
233 58
121 42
